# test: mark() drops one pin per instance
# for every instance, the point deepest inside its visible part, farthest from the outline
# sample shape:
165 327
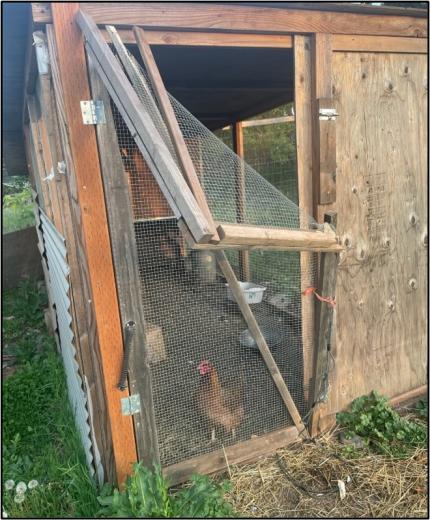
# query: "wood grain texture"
240 193
303 124
324 187
185 15
241 234
89 348
241 452
254 328
381 340
208 39
124 251
169 117
140 124
83 144
349 42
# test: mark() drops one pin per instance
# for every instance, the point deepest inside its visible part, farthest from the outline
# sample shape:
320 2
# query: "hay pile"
376 486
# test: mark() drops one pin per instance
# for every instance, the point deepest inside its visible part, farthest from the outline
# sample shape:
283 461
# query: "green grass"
17 207
40 440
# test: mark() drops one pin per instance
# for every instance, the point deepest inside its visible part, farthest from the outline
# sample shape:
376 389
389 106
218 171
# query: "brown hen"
221 406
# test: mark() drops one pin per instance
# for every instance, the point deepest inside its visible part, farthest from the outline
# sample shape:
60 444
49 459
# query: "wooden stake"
259 339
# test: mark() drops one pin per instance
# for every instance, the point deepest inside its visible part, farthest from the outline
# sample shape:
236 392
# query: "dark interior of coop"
189 317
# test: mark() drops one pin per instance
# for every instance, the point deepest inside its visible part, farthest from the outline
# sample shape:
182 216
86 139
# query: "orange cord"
312 290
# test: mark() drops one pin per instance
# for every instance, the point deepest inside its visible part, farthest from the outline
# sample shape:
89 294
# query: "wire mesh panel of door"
211 386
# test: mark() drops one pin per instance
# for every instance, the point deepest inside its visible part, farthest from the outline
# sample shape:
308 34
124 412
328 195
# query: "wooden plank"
81 291
241 452
327 155
227 17
261 342
268 121
240 191
381 291
240 234
126 262
83 144
308 261
151 144
324 327
324 191
205 39
355 43
172 125
407 397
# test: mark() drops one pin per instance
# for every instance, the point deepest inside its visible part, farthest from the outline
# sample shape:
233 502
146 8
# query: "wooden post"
261 342
324 322
126 262
324 156
303 111
238 147
89 191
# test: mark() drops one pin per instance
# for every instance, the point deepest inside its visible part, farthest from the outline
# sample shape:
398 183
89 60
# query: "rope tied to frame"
312 290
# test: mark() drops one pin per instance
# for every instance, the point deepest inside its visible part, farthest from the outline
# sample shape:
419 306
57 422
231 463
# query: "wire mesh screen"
210 384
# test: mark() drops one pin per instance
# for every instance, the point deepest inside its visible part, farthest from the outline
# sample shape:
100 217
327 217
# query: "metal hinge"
327 114
130 405
93 112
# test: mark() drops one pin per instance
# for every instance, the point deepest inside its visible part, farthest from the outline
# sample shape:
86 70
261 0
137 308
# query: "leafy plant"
382 428
17 205
422 409
146 495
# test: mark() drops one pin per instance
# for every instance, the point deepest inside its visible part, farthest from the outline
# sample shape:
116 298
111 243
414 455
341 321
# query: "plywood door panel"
381 297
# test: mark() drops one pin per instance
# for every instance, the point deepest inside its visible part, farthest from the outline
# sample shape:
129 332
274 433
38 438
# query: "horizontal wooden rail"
244 235
228 17
239 453
268 121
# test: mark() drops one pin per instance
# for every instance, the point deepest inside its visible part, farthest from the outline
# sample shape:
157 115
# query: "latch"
93 112
130 405
327 114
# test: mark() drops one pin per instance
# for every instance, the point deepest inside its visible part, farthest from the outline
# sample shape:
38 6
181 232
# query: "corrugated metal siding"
54 248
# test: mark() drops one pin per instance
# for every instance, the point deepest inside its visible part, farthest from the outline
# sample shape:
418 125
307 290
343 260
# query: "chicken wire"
184 297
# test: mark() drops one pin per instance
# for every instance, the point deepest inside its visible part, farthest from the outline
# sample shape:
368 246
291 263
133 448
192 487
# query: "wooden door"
381 183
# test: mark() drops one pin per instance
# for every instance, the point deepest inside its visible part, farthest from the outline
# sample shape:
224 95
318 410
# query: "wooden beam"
240 191
355 43
147 137
324 327
79 281
83 143
124 250
182 153
241 452
268 121
240 234
227 17
408 397
324 187
260 341
207 39
308 260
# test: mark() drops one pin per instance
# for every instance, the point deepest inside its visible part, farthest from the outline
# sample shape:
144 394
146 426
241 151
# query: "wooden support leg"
261 342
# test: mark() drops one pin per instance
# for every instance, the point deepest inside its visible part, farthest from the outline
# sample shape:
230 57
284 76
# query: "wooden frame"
83 143
243 18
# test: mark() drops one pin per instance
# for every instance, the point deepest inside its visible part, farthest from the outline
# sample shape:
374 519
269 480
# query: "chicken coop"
232 217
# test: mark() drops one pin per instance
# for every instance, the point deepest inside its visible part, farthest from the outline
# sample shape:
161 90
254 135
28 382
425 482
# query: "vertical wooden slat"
323 181
83 144
238 147
303 124
324 319
124 250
